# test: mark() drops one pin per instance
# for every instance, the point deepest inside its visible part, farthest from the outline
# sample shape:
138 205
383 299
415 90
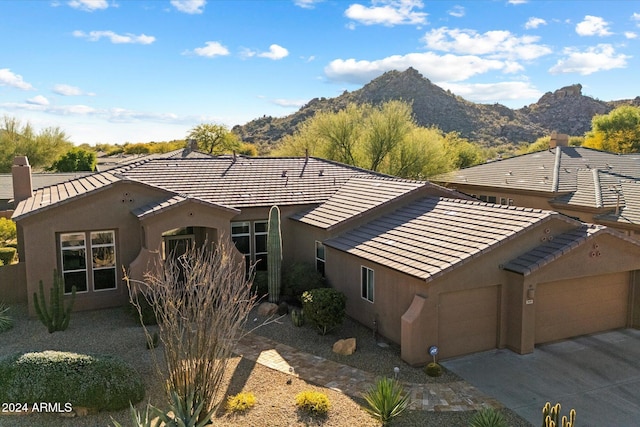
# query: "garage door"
569 308
468 321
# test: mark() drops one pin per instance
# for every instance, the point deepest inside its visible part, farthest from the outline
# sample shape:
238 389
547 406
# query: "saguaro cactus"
56 318
274 255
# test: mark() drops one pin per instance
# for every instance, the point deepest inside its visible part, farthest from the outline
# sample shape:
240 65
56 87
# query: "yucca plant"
6 322
140 419
386 399
488 417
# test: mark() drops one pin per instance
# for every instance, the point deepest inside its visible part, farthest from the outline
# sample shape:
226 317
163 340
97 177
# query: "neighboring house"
593 186
429 265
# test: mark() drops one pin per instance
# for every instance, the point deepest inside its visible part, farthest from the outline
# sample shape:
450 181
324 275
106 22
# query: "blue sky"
120 71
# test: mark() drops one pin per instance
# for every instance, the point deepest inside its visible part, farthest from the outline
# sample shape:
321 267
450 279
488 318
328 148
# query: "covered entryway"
569 308
468 321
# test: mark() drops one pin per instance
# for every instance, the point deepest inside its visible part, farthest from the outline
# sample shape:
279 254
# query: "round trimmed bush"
94 381
433 369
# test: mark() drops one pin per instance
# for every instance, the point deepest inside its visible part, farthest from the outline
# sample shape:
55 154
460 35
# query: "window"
241 236
320 259
491 199
97 273
368 285
506 201
260 243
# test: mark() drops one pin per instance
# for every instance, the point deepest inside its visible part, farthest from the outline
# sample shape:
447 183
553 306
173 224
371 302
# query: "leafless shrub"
201 301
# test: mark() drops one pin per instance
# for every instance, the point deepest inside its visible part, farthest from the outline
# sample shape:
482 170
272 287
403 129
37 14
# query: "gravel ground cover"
115 332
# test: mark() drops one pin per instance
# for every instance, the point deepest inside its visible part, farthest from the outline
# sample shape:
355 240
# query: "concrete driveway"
598 375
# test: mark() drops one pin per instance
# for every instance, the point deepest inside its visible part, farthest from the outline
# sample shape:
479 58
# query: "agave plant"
6 322
141 419
386 399
488 417
185 413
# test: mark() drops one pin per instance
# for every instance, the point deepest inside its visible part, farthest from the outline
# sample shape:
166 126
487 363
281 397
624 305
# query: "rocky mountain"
566 110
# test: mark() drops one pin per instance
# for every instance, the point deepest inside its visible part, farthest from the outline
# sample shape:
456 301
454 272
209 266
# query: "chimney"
21 175
559 140
192 144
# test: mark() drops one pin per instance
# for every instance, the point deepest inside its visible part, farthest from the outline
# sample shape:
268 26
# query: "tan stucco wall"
395 291
109 209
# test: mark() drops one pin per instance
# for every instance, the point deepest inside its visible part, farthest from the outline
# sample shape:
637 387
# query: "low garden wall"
13 283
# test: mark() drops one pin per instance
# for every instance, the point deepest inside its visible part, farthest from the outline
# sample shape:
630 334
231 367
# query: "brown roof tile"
429 236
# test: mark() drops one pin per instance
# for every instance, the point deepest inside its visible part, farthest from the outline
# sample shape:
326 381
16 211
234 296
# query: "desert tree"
618 131
201 301
214 138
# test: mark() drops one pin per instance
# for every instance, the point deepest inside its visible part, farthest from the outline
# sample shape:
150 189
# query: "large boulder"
267 309
345 347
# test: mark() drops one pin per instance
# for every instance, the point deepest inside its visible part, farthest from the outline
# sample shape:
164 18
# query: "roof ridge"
555 183
597 189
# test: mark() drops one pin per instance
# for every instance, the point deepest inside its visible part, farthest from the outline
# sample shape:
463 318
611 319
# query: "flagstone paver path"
453 396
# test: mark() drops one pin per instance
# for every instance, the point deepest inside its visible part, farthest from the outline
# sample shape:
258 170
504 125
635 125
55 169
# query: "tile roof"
628 209
552 171
432 235
224 180
356 196
595 189
168 203
556 247
38 180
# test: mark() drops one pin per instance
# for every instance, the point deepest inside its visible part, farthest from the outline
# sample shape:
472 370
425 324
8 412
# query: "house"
591 185
422 264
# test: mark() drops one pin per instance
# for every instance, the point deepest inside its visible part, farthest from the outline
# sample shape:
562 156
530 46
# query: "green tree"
387 127
618 131
42 148
74 160
214 139
8 231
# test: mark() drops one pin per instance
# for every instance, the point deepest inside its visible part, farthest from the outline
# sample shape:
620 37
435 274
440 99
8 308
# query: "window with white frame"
260 244
241 236
320 258
97 273
368 283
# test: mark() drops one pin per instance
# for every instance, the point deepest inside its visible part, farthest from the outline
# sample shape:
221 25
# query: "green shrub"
240 402
324 308
300 277
386 399
8 231
313 402
433 369
6 322
488 417
7 255
93 381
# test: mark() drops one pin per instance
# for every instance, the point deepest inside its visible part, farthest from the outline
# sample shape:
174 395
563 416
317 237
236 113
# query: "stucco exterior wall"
109 209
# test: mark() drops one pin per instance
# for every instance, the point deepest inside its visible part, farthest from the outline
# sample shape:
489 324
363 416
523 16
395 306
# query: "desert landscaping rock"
345 347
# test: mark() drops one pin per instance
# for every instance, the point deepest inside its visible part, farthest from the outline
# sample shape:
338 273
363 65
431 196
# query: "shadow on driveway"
598 375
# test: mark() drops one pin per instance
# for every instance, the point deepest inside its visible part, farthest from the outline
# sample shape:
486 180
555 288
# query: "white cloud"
630 35
210 50
63 110
192 7
593 26
275 52
115 38
38 100
306 4
593 59
289 102
436 67
456 11
534 22
8 78
516 2
498 44
68 90
89 5
389 13
494 92
636 17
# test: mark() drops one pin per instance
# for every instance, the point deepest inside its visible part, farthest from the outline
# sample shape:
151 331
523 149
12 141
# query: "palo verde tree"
618 131
75 160
214 139
381 138
42 148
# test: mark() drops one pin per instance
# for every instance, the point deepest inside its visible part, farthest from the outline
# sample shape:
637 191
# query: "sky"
116 71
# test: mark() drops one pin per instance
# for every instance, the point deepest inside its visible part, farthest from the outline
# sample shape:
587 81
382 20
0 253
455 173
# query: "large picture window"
368 283
241 236
250 238
88 261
